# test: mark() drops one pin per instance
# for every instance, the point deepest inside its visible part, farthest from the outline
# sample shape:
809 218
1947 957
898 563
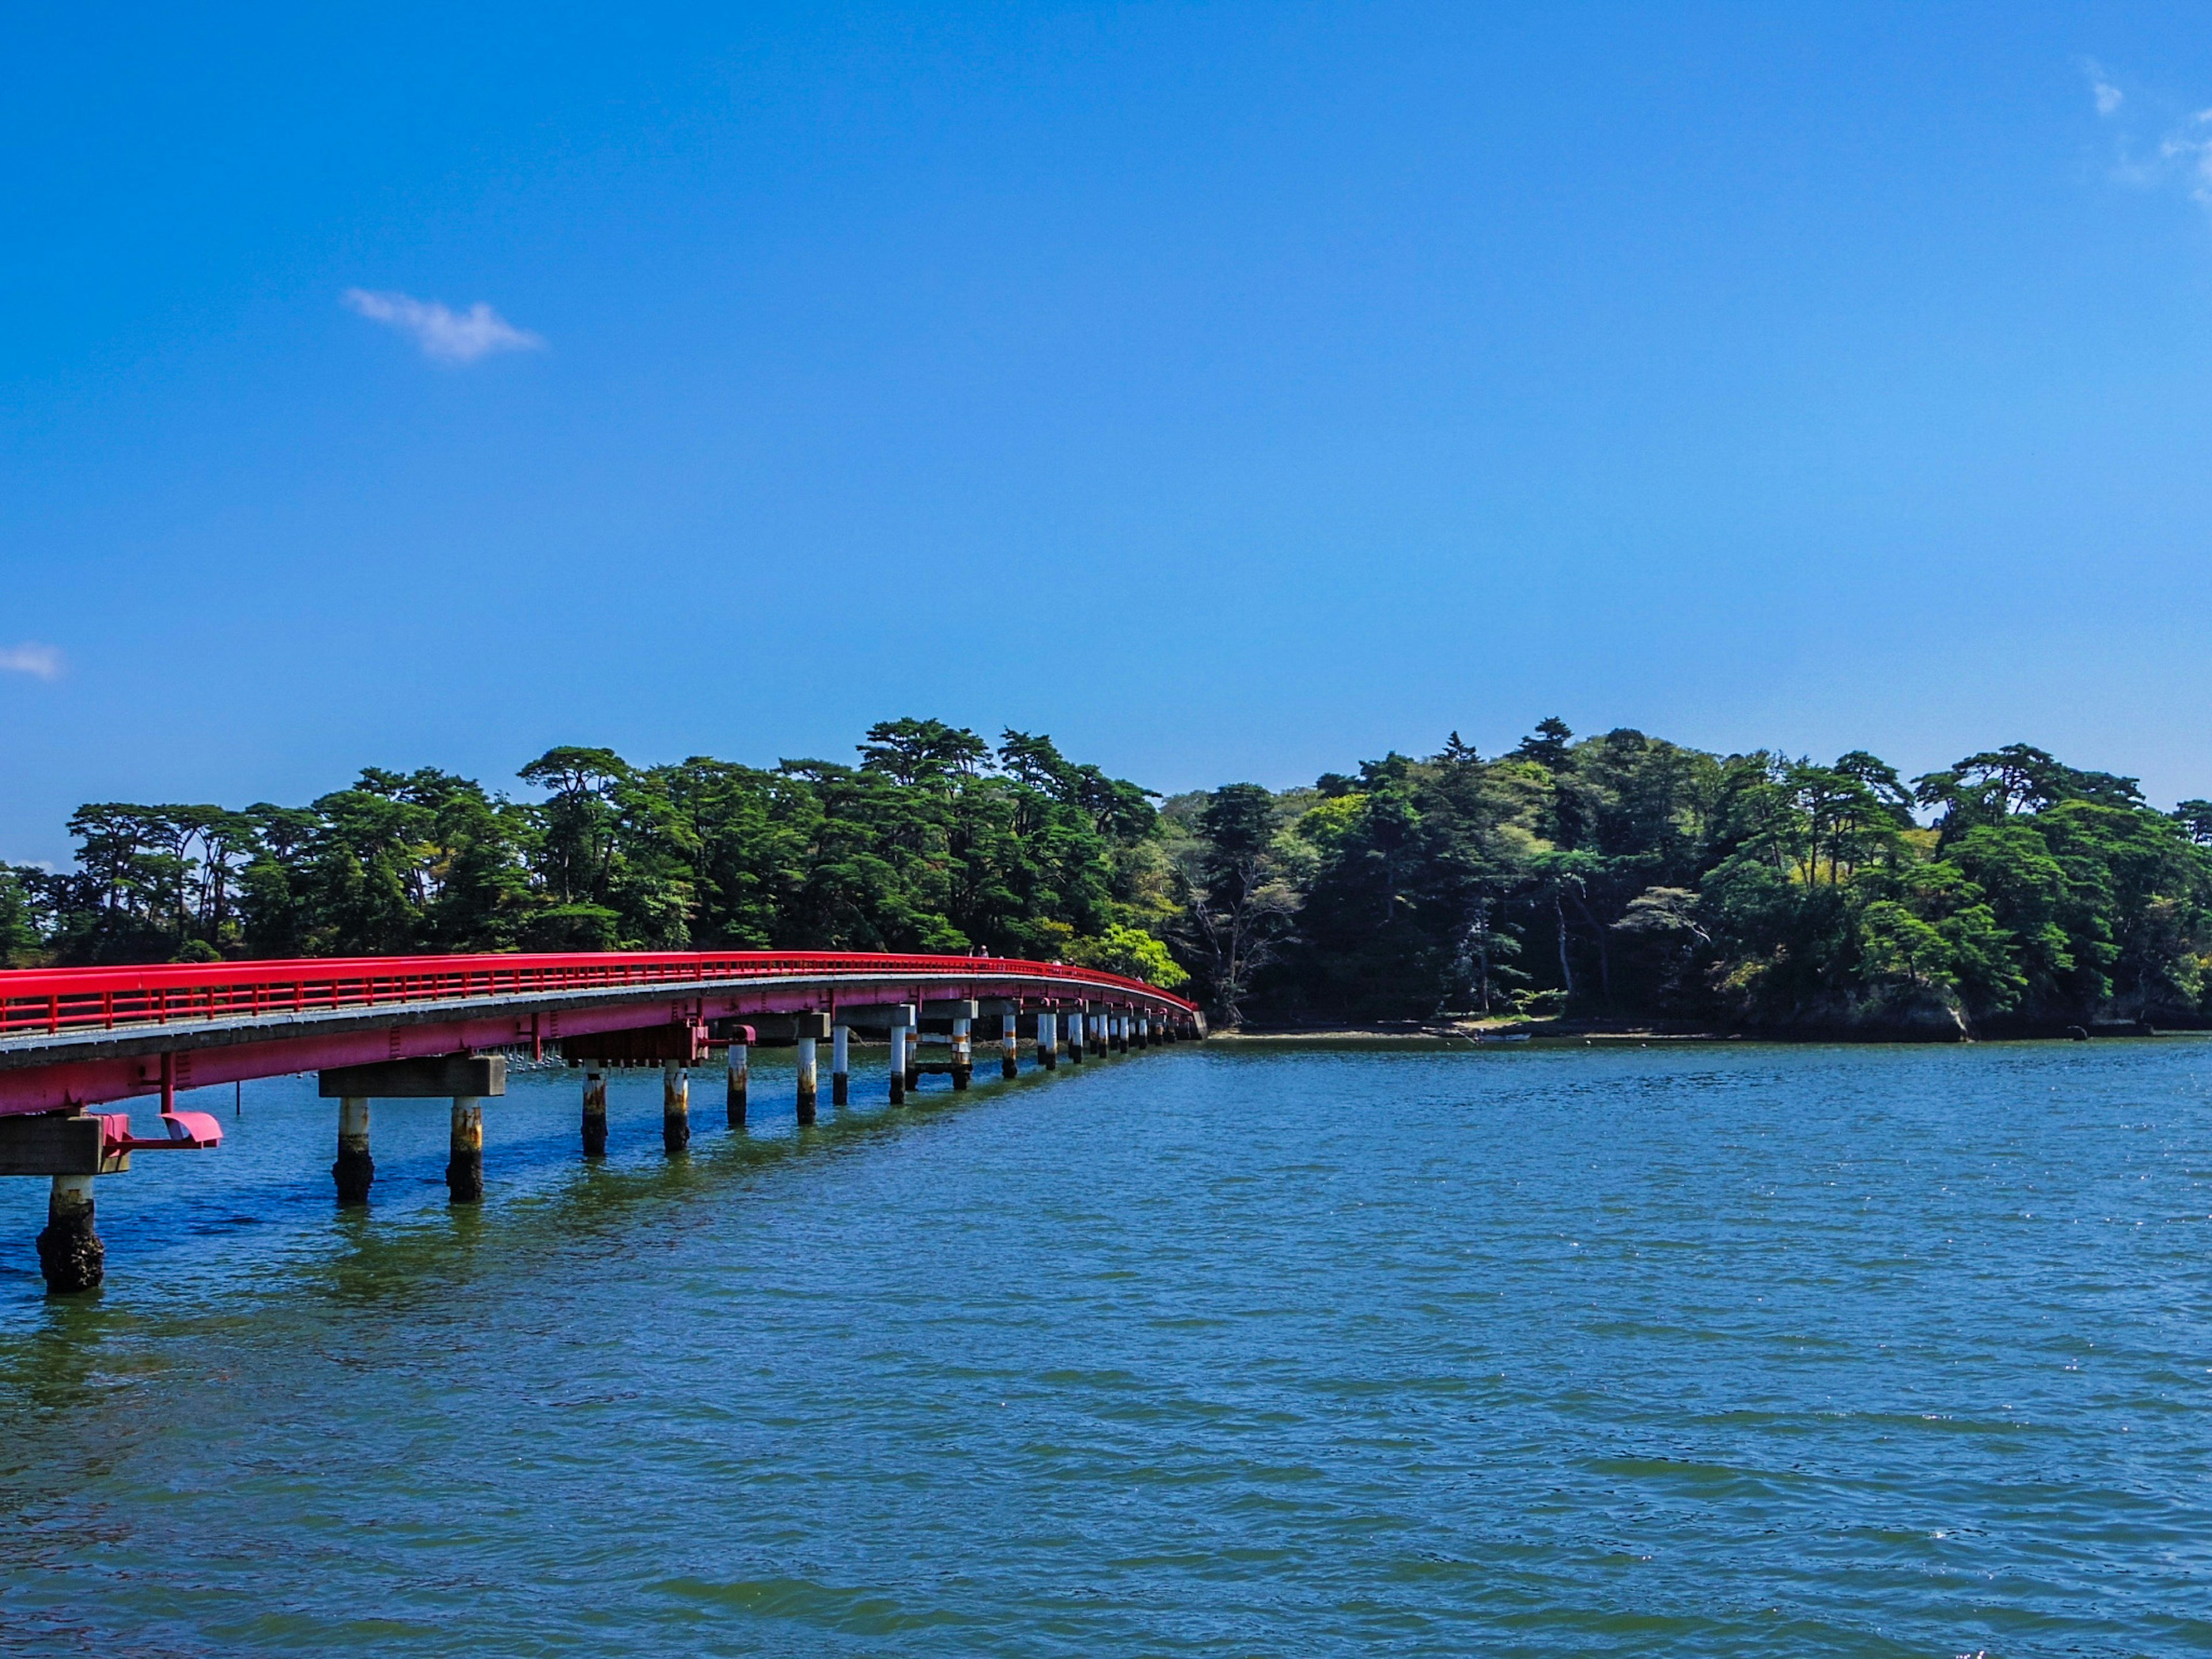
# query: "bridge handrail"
58 1000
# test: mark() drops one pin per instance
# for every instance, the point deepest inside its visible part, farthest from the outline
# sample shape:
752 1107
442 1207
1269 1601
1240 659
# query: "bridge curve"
440 1026
71 1037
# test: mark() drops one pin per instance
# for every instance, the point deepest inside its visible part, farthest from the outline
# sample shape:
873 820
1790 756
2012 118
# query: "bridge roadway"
440 1026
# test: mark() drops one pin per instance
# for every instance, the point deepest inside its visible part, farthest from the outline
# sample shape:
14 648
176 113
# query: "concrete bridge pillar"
740 1065
808 1028
898 1064
963 1052
356 1170
1047 1039
70 1254
841 1077
595 1110
1010 1045
464 1151
1075 1017
675 1106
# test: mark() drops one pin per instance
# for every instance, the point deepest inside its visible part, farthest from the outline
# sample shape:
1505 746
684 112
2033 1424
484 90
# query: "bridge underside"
75 1070
70 1040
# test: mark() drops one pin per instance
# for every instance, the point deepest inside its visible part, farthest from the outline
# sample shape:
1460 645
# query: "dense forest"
1618 877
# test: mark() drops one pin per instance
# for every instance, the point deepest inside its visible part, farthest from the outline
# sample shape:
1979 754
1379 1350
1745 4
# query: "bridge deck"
73 1037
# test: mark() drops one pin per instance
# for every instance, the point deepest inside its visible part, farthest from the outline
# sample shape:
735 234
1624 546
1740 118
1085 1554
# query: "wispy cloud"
2166 149
40 662
2108 97
447 335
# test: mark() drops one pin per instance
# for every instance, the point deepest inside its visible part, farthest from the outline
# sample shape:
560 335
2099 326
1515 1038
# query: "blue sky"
1231 392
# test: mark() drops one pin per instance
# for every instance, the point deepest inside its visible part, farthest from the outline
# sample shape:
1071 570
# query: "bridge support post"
356 1170
1143 1032
963 1052
740 1065
464 1151
840 1075
675 1106
898 1064
808 1028
1047 1039
70 1254
1010 1045
1120 1033
595 1112
1075 1035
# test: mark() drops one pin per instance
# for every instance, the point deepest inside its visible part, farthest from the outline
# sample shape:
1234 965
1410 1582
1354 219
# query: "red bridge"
409 1027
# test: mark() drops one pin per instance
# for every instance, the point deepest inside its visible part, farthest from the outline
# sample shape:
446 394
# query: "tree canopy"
1619 875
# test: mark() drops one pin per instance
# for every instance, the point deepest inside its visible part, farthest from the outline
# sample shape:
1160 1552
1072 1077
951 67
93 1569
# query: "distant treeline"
1619 876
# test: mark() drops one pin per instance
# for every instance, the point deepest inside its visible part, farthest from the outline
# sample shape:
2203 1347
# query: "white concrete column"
807 1080
740 1077
356 1170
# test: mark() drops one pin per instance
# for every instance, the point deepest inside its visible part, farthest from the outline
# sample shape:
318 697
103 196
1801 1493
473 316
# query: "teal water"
1698 1350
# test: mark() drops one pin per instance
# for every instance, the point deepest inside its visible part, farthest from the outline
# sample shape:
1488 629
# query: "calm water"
1722 1350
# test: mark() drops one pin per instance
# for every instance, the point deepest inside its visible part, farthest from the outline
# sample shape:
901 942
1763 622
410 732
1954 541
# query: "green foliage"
1133 952
1622 875
1616 875
934 842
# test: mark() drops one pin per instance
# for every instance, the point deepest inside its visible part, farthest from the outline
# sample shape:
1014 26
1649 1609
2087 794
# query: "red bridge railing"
58 1000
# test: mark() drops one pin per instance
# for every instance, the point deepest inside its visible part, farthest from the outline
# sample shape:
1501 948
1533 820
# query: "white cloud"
449 336
2109 98
42 662
2190 148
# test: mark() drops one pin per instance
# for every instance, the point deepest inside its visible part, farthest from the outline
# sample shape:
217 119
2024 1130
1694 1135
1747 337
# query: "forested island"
1617 878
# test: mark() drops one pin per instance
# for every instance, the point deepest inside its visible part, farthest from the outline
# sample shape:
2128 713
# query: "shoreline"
1591 1033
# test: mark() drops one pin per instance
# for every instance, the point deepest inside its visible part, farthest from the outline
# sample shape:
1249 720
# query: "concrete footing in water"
70 1254
354 1170
595 1114
741 1076
465 1151
675 1106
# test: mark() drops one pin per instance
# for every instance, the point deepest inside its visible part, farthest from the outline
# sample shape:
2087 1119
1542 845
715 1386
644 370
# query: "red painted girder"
57 999
201 1059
